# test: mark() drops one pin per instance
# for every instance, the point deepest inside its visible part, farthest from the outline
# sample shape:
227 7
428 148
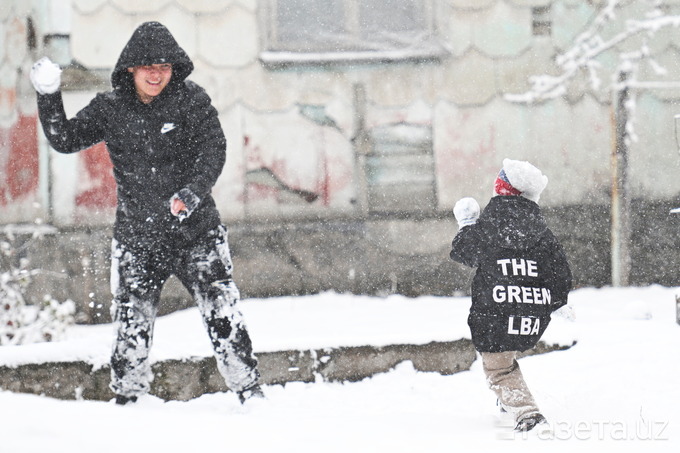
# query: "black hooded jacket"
522 274
175 144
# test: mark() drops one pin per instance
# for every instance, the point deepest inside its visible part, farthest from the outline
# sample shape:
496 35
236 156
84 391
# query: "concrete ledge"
186 379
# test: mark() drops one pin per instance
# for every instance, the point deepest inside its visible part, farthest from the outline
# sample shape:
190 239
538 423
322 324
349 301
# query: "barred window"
541 21
327 31
400 169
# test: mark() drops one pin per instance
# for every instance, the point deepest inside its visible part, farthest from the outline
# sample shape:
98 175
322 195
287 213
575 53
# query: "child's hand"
466 211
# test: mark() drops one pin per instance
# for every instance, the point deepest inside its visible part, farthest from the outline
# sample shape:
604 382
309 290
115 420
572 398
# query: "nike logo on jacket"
167 127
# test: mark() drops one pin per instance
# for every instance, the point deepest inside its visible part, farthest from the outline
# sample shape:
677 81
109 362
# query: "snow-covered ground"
616 389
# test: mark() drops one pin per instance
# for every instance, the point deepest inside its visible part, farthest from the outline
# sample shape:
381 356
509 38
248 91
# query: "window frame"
274 54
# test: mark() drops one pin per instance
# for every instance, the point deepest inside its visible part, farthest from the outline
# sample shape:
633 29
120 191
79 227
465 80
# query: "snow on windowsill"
275 59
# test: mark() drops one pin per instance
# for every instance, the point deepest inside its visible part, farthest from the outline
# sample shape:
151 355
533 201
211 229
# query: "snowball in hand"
45 76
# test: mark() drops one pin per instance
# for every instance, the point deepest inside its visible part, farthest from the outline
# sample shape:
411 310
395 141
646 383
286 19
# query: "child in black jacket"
522 277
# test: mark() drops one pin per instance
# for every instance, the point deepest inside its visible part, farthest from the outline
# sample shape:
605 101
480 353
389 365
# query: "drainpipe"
361 143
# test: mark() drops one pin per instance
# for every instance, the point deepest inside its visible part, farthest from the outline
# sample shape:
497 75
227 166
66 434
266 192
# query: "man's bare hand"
178 208
183 203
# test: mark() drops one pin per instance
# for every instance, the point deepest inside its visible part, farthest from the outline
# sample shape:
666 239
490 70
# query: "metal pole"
620 215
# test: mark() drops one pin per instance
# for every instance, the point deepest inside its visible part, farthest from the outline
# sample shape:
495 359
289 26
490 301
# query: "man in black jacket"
168 149
522 277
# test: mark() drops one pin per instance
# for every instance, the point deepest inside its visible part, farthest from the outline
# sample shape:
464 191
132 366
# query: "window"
341 31
541 21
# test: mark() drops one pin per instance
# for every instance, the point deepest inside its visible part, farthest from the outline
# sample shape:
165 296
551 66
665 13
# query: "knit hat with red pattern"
520 178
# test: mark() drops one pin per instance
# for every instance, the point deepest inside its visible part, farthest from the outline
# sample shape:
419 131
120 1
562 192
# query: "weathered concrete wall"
376 256
184 380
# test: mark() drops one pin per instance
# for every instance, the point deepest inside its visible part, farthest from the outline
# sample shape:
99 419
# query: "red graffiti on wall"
102 186
20 166
19 161
269 181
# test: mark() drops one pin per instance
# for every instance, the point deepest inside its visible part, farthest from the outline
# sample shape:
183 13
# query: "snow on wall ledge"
325 337
190 378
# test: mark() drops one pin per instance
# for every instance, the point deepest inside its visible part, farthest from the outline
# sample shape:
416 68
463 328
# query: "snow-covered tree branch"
606 34
590 44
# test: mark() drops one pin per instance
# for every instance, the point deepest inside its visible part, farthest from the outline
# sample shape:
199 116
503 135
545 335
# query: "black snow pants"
205 269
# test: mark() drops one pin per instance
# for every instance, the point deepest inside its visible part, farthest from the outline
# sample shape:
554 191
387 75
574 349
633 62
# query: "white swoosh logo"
167 127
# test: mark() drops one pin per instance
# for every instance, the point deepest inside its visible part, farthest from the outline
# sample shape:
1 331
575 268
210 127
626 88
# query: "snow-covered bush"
20 322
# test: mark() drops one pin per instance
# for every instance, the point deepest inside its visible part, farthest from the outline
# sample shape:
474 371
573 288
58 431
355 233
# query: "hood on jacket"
512 222
151 43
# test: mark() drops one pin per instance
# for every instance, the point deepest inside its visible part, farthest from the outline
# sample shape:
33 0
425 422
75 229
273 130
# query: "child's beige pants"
505 379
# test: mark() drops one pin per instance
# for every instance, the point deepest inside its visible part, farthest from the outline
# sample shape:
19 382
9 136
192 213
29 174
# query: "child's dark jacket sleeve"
466 247
560 272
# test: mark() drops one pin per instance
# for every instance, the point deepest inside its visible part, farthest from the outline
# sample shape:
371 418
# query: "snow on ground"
616 389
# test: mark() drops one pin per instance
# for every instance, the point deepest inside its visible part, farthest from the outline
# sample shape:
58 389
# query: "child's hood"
512 222
151 43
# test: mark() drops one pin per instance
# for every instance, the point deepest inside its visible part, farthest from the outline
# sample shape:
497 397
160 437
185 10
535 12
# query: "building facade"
390 107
